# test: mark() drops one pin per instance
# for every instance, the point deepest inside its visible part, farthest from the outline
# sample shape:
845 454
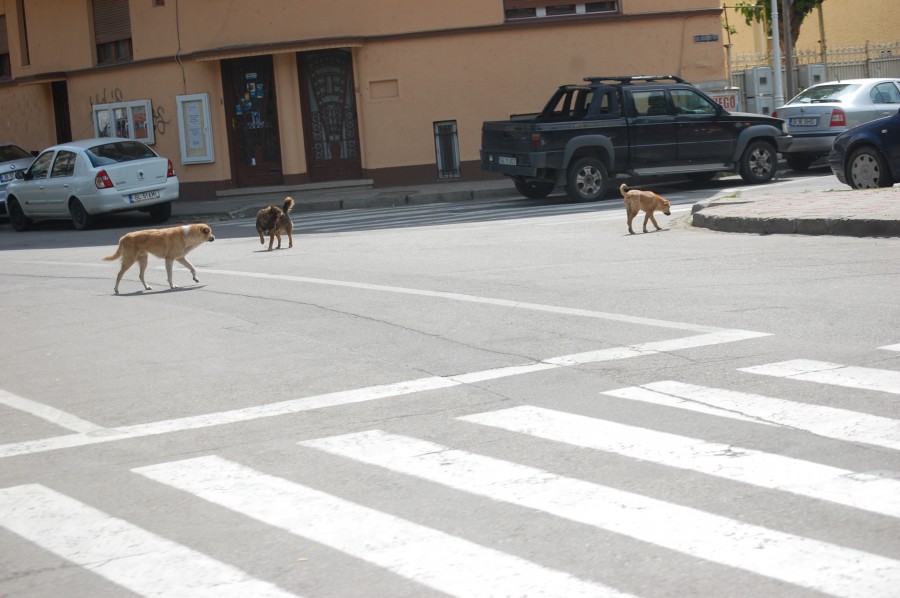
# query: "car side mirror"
22 175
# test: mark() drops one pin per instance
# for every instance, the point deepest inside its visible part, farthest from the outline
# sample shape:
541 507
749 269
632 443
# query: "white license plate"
803 122
507 161
136 197
7 176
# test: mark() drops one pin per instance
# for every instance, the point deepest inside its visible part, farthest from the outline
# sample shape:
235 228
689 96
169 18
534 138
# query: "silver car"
820 113
82 179
13 159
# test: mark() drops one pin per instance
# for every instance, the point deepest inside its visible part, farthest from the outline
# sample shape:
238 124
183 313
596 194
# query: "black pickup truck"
642 125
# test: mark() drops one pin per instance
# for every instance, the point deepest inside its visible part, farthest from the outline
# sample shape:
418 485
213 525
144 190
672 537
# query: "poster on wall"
195 131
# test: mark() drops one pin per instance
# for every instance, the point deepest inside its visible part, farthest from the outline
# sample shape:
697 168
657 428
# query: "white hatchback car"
82 179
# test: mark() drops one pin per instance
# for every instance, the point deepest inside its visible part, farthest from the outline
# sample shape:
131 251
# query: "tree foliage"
760 11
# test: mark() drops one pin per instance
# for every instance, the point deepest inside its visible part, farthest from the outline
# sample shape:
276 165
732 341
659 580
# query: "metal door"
328 96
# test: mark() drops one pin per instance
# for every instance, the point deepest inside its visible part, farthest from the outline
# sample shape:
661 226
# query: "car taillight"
171 171
101 181
838 118
535 141
775 114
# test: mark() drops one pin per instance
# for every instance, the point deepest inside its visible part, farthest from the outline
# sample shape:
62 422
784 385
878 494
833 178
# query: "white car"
13 159
820 113
82 179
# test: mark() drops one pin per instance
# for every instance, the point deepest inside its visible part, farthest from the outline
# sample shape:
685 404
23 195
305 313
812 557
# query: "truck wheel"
534 189
586 179
758 163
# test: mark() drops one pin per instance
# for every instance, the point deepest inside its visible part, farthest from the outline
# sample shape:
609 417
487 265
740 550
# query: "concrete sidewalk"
860 213
863 213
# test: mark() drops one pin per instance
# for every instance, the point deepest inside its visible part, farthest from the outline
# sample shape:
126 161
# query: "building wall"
846 23
415 62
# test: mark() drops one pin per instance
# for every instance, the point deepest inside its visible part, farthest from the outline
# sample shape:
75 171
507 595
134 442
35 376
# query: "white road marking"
569 311
891 347
361 394
834 374
853 489
127 555
47 413
787 557
828 422
428 556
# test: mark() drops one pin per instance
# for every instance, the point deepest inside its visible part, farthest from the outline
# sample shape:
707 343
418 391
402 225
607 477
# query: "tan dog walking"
170 244
637 200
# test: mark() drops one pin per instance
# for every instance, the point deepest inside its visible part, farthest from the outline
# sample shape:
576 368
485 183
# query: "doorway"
253 141
328 98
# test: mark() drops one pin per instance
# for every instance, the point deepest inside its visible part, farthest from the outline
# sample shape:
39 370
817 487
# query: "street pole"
788 49
776 58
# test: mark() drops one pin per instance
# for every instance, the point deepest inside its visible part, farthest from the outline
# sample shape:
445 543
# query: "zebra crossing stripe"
126 555
47 413
834 374
787 557
841 486
828 422
441 561
891 347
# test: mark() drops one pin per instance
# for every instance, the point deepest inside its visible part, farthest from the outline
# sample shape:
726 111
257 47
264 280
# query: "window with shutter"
4 50
526 9
112 30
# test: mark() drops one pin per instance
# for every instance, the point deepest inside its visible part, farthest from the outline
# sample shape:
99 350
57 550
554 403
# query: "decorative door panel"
331 134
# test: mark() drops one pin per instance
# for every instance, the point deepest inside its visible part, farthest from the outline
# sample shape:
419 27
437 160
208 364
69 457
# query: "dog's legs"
278 236
271 240
262 241
169 262
631 215
650 217
127 262
290 233
142 261
183 261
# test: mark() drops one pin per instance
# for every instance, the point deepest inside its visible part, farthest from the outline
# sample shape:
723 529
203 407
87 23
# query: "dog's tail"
288 204
623 189
117 254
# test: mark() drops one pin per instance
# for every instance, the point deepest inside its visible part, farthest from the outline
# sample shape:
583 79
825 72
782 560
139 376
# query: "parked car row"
855 123
81 180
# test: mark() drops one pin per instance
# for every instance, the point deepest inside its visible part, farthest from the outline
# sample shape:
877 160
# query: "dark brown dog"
171 244
273 221
636 200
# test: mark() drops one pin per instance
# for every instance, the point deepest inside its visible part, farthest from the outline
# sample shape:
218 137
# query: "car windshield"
12 152
825 93
118 151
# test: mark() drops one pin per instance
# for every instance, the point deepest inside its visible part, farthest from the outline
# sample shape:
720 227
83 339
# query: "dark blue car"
868 156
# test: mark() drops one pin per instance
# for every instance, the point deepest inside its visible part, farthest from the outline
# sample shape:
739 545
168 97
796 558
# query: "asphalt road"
497 399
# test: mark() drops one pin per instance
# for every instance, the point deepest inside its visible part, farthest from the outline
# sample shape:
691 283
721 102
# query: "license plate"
7 176
803 122
506 160
136 197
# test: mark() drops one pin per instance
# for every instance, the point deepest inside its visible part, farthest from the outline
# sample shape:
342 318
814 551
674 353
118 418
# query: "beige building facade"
281 93
839 23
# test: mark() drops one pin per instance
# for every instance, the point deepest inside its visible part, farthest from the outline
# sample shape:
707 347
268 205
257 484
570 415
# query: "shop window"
112 31
529 9
132 120
446 147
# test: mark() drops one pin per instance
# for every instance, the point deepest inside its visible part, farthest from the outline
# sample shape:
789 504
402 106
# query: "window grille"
446 147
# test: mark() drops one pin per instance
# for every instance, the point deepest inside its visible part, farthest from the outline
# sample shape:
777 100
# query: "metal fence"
853 62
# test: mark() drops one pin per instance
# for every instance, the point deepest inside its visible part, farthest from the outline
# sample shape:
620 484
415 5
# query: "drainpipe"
776 58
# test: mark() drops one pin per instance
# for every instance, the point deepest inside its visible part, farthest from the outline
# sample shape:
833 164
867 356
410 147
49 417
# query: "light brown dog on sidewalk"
648 201
171 244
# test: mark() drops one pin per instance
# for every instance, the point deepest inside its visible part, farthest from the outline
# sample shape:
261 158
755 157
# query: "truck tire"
759 163
534 189
586 179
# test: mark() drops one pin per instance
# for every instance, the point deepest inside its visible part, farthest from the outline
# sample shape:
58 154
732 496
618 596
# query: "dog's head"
664 207
201 233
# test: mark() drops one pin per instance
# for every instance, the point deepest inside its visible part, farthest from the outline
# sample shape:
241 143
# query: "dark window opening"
112 31
446 146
